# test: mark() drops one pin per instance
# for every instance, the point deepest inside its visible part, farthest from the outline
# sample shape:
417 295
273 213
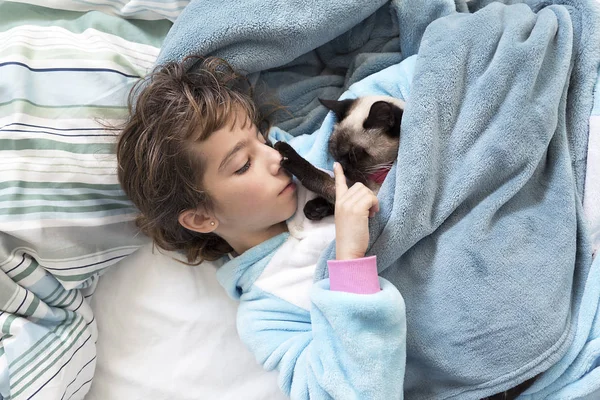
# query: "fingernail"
335 164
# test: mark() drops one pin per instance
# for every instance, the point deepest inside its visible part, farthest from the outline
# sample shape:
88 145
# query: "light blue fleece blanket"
480 225
297 51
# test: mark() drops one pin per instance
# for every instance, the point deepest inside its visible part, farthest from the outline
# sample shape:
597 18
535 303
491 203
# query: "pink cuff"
357 276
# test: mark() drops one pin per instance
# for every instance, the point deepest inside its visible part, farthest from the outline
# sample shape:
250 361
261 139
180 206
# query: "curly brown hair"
169 110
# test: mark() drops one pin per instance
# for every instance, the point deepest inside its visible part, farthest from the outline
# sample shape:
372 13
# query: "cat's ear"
384 115
339 107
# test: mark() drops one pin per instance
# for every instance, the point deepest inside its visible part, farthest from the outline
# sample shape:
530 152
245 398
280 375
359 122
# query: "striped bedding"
64 76
138 9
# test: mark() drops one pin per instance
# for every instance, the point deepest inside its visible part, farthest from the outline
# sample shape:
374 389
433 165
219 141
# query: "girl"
208 183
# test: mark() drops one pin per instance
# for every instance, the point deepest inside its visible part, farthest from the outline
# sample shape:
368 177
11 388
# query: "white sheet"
167 331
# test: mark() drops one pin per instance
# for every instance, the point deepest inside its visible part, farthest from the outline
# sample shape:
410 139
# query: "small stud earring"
212 223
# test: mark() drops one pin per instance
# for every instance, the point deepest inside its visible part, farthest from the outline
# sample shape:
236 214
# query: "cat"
364 141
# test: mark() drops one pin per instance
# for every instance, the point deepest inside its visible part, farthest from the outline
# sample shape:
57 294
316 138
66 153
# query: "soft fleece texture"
482 215
481 224
321 340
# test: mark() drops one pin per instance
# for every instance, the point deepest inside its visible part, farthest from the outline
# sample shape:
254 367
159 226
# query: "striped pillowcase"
137 9
63 217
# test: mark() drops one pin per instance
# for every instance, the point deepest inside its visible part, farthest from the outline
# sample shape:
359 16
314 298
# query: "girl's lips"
290 187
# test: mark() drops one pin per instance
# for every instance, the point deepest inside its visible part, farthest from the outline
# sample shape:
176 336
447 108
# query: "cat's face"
366 136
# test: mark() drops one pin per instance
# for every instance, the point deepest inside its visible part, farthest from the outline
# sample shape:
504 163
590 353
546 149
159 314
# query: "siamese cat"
364 141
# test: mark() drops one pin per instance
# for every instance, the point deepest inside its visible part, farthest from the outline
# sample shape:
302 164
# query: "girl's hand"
353 208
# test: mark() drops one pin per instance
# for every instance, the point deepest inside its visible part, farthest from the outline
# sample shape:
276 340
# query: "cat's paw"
318 208
290 161
284 149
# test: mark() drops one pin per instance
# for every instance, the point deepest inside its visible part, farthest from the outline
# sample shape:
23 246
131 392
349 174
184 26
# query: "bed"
89 308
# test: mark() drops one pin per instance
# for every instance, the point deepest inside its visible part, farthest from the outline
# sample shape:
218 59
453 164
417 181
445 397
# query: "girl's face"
251 193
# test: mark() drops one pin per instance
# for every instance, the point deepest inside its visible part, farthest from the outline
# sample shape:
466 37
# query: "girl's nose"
274 161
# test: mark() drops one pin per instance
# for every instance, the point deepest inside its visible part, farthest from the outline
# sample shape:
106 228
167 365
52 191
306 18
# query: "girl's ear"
198 221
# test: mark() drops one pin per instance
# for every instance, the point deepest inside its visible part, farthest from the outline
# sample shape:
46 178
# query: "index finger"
340 180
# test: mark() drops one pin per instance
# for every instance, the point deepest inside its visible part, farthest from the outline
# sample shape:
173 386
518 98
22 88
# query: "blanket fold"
481 226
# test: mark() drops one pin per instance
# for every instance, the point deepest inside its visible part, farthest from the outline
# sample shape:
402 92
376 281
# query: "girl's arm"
352 343
349 346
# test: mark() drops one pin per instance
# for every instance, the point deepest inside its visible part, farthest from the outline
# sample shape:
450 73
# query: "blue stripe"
66 193
76 376
23 302
58 129
85 383
60 369
80 304
86 266
18 265
67 69
56 134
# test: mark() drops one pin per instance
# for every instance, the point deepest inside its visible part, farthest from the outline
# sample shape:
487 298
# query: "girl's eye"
243 169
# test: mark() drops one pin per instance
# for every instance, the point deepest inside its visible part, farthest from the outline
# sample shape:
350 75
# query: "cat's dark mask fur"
364 141
366 136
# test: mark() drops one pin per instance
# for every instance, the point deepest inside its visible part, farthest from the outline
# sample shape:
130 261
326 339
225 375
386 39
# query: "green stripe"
58 287
28 107
72 300
1 349
81 277
51 166
59 185
29 350
65 197
66 106
33 306
65 321
63 296
26 272
54 361
40 361
62 172
146 32
46 144
7 323
61 303
69 210
71 317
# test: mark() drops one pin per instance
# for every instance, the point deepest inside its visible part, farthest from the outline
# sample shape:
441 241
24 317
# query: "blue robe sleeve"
349 346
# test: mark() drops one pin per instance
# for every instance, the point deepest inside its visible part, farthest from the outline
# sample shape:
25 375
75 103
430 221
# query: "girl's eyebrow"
239 146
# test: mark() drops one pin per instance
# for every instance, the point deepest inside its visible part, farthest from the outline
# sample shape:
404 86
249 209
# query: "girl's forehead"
220 142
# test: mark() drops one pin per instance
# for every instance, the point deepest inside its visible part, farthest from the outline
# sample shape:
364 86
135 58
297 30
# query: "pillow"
167 331
63 217
138 9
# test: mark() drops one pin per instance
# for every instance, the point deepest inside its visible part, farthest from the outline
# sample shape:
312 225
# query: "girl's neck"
247 240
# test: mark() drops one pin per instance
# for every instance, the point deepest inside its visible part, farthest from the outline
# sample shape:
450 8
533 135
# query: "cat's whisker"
378 167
